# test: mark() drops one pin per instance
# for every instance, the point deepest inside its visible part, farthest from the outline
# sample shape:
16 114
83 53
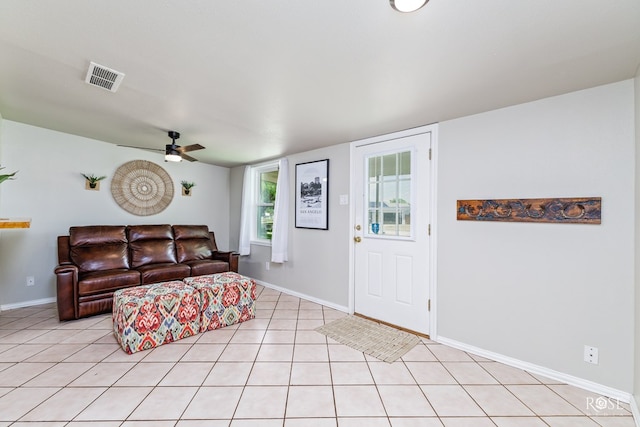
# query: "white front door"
392 209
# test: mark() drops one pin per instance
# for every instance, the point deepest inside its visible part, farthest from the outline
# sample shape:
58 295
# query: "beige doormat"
380 341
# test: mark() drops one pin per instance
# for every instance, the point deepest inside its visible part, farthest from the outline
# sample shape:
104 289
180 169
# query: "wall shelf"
15 223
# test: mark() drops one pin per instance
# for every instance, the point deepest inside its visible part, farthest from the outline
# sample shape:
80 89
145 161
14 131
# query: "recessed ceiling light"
407 5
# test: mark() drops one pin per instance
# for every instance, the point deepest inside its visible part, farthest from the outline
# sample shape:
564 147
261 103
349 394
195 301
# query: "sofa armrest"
64 250
230 257
67 291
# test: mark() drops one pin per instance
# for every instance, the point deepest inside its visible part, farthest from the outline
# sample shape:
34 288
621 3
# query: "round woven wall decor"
142 188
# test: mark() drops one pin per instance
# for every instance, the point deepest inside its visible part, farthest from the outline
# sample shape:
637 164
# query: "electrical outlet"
31 281
267 265
591 354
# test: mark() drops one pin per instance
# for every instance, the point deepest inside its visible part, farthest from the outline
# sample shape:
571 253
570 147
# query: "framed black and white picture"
312 195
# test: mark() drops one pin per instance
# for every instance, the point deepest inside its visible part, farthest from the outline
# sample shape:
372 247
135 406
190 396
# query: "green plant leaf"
92 178
6 177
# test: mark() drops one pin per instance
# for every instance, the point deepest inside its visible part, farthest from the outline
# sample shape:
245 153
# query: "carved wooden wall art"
581 210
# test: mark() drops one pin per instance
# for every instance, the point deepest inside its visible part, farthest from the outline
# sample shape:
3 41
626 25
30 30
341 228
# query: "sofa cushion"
207 266
149 232
97 235
192 242
181 232
154 273
151 244
96 248
152 252
99 282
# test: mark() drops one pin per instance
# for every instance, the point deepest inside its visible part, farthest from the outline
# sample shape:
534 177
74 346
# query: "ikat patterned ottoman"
227 299
147 316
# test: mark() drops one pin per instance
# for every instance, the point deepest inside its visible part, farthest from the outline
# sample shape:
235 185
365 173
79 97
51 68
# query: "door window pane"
374 167
405 163
389 195
374 191
389 166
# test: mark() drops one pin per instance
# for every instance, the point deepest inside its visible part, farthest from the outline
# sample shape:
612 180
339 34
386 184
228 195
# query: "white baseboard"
5 307
541 370
303 296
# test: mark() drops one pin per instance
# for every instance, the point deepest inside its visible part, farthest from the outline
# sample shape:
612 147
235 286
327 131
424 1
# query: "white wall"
49 189
637 252
318 265
540 292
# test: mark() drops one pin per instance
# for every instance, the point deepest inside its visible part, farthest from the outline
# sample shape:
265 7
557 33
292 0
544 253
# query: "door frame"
433 256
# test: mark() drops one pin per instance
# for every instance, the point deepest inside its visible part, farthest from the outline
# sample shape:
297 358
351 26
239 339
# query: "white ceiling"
257 79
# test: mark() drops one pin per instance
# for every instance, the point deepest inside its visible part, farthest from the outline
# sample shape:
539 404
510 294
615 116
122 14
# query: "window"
265 181
389 198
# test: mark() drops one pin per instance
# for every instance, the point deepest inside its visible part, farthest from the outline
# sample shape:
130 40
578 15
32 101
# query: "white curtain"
280 236
246 213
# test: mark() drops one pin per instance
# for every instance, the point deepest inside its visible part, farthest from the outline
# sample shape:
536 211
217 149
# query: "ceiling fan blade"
187 157
141 148
192 147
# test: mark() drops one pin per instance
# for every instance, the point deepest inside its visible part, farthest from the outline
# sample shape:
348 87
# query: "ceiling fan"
173 152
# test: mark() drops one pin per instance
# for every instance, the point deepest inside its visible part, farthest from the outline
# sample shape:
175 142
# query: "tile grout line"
509 391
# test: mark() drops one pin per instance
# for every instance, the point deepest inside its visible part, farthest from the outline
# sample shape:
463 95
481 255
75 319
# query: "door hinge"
429 305
429 229
429 153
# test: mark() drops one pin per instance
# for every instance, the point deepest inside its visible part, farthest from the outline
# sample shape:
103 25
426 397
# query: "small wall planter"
92 182
187 187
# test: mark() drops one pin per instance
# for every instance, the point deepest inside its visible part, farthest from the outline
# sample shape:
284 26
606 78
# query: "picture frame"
312 195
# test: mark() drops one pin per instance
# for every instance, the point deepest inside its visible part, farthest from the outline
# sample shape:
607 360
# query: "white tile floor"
273 371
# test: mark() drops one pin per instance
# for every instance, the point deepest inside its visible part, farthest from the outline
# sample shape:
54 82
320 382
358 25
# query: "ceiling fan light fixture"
407 5
172 155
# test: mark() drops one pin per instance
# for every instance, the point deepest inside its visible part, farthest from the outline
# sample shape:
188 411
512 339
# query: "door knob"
357 239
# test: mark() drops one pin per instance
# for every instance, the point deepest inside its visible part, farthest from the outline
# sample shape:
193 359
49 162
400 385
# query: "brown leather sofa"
95 261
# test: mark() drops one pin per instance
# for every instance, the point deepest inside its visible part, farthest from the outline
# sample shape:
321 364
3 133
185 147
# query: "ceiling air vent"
103 77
